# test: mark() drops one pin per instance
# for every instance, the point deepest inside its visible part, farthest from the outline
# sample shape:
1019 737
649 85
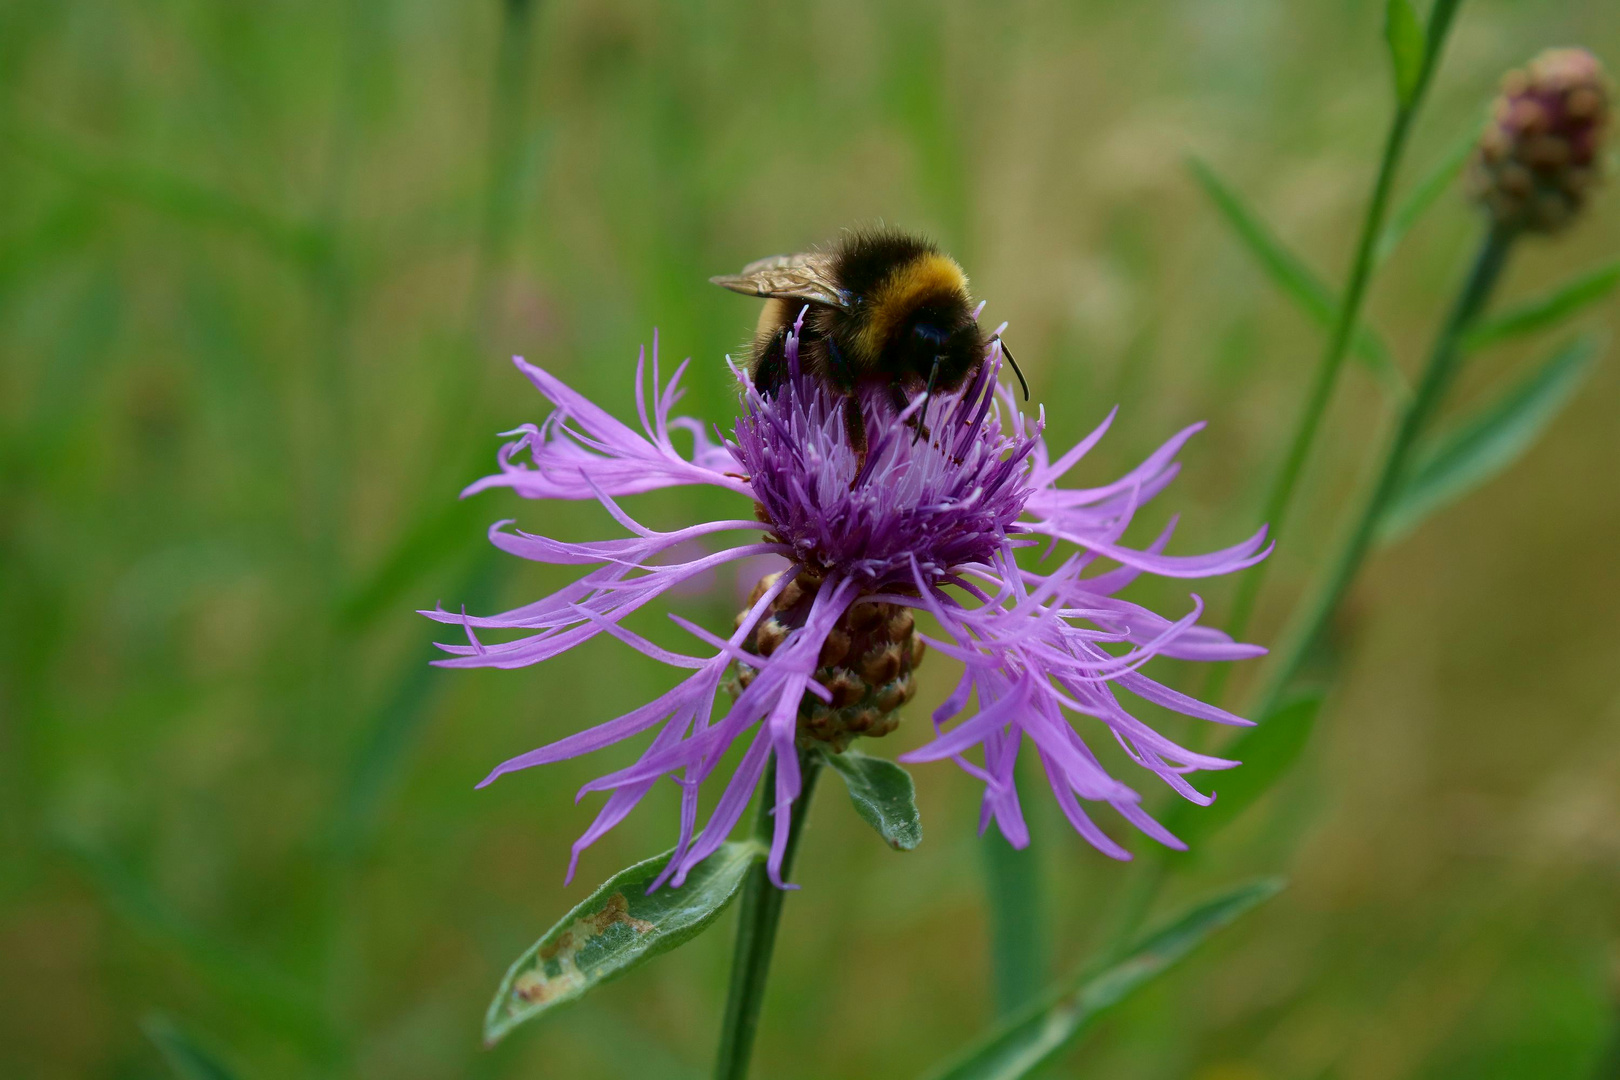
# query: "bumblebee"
885 309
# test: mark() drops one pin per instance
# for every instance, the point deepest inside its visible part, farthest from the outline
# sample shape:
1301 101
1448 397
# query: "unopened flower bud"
1541 152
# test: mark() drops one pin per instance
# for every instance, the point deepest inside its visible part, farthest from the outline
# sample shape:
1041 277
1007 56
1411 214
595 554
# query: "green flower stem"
1281 497
756 927
1437 378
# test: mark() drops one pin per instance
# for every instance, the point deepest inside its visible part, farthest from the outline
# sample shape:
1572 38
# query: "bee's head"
949 337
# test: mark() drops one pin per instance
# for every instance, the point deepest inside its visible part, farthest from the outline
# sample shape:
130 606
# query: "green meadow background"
262 268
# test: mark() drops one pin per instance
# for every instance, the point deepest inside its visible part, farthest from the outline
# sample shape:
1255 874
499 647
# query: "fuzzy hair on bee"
886 309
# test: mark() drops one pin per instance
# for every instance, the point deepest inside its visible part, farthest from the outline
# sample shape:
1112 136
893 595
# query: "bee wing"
806 276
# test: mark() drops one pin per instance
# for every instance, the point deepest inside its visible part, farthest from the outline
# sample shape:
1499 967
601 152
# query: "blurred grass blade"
175 196
1423 196
447 530
264 992
1408 48
883 794
1479 449
1267 751
616 928
395 727
1016 902
1018 948
1035 1035
1549 310
187 1060
1290 274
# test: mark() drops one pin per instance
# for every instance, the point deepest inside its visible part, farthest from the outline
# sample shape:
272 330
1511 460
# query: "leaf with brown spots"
616 928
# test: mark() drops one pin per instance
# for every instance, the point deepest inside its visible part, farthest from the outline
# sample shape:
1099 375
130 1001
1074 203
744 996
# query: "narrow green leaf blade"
883 794
1480 448
1267 751
187 1060
1290 274
1286 270
1408 48
1424 195
1033 1036
1546 311
616 928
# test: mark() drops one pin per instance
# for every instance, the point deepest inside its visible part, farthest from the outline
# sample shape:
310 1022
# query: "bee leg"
839 370
855 428
841 374
770 365
897 398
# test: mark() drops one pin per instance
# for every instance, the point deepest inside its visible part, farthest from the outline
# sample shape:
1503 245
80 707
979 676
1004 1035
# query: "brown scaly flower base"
1541 154
866 663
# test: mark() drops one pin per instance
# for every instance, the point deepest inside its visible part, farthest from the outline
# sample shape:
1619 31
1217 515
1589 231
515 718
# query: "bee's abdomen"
773 317
768 361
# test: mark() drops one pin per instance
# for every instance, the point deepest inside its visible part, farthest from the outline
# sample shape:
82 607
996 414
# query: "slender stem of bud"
1437 378
1310 624
1281 496
756 928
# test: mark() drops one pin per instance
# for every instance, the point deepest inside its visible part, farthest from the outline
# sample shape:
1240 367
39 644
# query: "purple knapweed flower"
929 525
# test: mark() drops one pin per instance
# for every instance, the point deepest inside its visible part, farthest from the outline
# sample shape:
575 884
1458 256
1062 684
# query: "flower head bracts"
931 523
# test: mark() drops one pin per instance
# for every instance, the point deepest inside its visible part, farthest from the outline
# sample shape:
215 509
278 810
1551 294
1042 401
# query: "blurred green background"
261 269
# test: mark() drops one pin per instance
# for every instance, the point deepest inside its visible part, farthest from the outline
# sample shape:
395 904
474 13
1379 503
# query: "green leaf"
1480 448
188 1060
616 928
1546 311
883 794
1423 196
1290 274
1033 1036
1408 48
1267 751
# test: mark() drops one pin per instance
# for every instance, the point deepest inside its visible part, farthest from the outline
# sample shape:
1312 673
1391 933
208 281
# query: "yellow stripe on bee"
906 286
774 314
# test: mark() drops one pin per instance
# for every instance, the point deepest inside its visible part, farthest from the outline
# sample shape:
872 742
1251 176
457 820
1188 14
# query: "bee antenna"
928 393
1016 369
